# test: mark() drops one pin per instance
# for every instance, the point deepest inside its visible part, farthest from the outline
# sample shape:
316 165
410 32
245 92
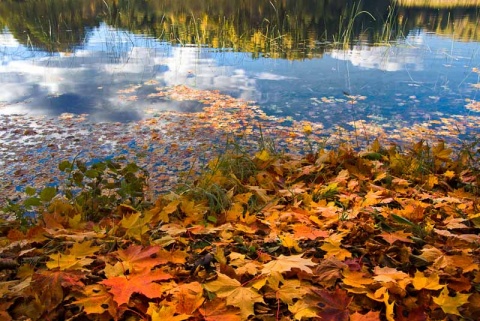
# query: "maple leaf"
237 295
194 212
50 285
396 236
372 198
327 272
302 309
305 231
287 263
332 246
217 310
76 259
83 249
164 313
451 304
188 297
67 262
122 287
387 274
289 242
356 279
161 213
136 258
136 225
420 281
96 300
370 316
290 290
334 305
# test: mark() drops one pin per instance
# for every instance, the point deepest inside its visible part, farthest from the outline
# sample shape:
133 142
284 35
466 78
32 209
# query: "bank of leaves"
382 234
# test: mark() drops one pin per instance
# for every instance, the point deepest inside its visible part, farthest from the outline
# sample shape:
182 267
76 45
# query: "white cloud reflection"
91 77
385 58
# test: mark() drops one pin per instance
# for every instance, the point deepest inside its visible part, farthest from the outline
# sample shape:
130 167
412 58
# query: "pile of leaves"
381 234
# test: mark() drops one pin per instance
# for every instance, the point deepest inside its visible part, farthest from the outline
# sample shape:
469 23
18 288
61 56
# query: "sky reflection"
94 79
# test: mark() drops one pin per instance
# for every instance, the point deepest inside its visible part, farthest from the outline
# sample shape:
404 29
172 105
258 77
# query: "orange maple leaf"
122 287
188 297
136 258
370 316
217 310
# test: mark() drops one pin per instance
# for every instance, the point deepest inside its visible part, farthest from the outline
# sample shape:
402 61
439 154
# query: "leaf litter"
364 230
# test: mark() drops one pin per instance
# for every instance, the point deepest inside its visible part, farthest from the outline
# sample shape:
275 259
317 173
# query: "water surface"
300 60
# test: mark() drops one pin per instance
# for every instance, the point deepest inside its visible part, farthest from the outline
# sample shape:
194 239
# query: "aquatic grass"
392 28
346 24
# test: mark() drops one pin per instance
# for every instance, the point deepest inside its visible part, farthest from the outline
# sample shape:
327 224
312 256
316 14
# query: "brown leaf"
333 304
51 286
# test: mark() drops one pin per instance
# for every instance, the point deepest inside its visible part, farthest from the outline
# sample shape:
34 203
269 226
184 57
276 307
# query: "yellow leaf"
451 304
289 242
243 198
287 263
263 155
376 146
290 290
356 279
194 212
234 213
432 180
301 310
336 251
164 313
307 128
332 246
237 295
420 281
372 198
449 174
389 313
83 249
67 262
97 300
136 225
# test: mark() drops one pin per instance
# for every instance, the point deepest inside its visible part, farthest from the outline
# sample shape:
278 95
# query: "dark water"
297 59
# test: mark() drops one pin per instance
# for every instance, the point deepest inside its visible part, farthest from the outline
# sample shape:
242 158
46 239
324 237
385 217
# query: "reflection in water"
291 29
112 83
104 58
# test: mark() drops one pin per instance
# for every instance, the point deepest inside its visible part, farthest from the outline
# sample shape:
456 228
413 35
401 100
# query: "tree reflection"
293 29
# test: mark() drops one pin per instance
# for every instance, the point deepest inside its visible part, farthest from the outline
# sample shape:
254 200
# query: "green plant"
98 188
95 190
36 201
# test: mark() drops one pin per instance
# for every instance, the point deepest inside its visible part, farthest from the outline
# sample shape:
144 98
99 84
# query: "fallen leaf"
451 304
122 287
237 295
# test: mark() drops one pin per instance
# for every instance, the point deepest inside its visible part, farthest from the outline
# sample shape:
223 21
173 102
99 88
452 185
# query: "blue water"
421 77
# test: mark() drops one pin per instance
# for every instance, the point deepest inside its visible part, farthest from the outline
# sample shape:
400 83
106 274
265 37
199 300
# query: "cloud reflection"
89 80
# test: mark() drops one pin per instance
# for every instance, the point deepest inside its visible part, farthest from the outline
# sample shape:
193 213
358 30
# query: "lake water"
384 67
417 74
